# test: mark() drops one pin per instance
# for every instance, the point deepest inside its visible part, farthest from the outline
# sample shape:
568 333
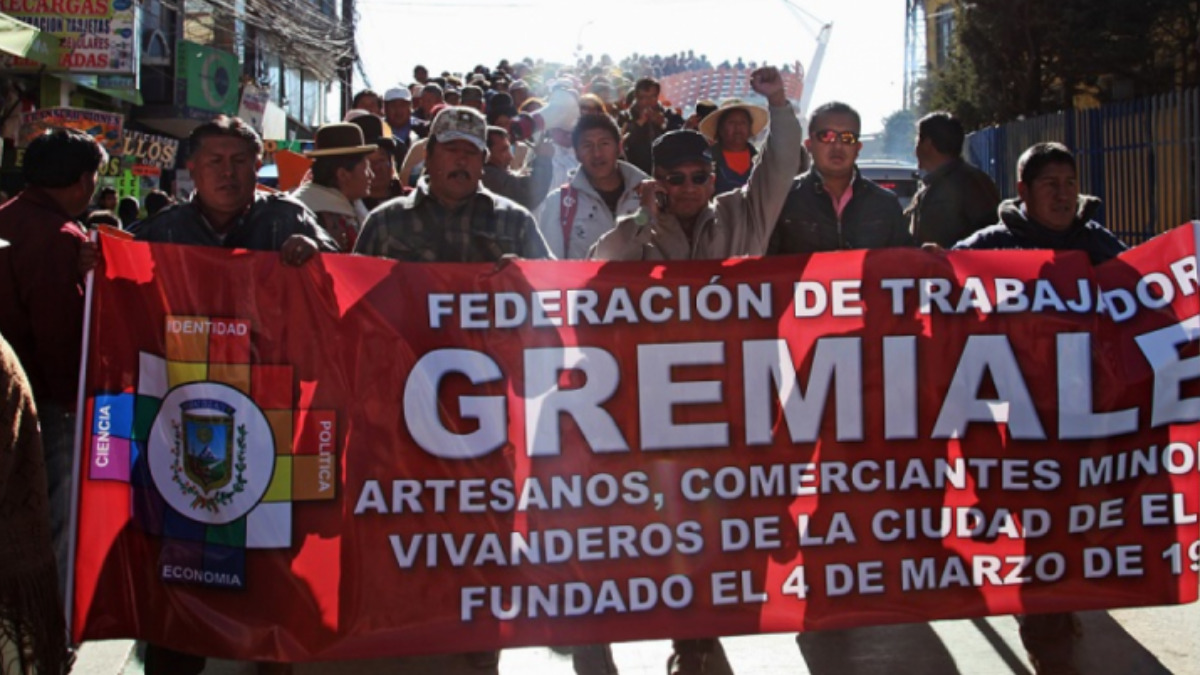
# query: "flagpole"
81 395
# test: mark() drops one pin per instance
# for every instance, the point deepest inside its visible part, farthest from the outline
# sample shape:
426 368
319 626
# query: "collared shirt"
418 228
839 204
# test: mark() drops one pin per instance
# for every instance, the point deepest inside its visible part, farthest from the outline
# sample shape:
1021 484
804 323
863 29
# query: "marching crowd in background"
501 162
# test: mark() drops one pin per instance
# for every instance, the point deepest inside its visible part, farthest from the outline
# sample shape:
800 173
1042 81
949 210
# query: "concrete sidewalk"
1120 642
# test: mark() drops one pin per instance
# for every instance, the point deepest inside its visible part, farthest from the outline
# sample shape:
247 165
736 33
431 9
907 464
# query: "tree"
899 134
1028 57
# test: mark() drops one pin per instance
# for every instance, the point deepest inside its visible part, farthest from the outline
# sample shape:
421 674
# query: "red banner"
359 458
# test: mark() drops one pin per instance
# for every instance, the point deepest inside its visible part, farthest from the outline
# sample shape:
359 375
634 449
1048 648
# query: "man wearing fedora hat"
341 177
730 129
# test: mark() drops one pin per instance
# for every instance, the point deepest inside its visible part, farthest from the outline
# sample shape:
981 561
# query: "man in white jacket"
603 189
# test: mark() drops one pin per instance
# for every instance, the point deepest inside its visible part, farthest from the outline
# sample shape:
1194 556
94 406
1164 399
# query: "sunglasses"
830 136
679 178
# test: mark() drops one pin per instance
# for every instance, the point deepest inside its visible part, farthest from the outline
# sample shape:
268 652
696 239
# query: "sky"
863 65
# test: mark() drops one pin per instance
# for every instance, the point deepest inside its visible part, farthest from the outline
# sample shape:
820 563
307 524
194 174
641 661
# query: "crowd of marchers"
478 169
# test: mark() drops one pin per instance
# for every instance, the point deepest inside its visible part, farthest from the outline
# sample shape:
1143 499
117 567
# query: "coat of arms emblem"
212 452
208 428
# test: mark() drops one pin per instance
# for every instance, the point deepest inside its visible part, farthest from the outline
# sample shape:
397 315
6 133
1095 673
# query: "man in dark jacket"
832 206
527 187
646 121
227 210
955 198
1050 214
42 305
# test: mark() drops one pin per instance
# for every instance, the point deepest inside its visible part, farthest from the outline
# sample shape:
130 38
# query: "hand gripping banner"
360 458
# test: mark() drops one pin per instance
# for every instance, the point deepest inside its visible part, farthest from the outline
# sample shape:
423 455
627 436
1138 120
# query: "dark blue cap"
680 147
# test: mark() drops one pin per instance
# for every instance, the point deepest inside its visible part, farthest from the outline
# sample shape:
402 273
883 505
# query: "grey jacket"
737 223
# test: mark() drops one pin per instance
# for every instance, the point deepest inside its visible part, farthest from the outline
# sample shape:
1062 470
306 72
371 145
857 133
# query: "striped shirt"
418 228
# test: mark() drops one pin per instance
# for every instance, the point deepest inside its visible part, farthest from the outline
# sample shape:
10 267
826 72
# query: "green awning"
20 39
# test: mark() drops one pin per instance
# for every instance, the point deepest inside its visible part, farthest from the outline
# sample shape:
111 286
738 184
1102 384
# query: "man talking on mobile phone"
679 218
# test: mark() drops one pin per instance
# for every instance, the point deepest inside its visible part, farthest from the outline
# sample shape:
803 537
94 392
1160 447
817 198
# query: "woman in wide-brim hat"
341 177
385 184
730 129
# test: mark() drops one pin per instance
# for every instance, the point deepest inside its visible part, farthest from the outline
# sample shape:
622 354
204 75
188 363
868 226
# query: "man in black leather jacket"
832 207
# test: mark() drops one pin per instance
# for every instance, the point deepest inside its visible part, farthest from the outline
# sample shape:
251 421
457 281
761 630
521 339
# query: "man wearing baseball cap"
397 111
450 217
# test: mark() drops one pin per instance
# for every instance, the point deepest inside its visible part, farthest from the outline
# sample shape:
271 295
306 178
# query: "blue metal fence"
1141 157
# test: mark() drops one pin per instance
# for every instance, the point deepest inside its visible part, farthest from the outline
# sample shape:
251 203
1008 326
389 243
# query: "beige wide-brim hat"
340 139
758 118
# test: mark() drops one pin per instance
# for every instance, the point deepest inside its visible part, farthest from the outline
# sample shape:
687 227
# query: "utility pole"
346 62
914 52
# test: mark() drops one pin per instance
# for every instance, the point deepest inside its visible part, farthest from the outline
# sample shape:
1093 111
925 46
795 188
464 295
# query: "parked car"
895 175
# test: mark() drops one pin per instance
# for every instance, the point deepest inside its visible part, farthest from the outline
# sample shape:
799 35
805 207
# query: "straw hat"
758 118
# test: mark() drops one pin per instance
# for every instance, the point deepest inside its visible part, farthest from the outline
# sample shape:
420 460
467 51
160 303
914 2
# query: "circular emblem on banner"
568 201
211 452
215 80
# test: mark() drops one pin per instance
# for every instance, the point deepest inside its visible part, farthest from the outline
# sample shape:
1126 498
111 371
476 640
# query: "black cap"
680 147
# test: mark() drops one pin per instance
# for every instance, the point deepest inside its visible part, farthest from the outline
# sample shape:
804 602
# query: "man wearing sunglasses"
679 218
832 206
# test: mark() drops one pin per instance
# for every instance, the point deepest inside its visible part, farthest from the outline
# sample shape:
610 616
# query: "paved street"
1121 642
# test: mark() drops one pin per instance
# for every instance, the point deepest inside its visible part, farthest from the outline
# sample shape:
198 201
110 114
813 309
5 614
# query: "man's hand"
648 191
505 260
89 255
297 250
769 83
